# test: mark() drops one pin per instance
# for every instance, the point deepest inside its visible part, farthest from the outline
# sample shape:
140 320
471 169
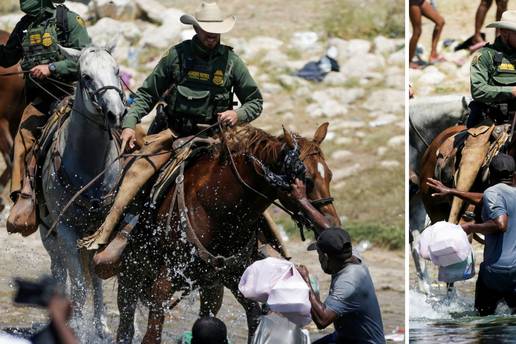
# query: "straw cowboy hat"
508 21
209 18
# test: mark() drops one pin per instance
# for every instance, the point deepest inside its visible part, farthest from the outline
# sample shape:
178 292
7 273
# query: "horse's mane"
247 139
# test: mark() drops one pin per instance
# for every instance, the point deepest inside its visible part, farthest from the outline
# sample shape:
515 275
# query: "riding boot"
474 152
156 152
22 217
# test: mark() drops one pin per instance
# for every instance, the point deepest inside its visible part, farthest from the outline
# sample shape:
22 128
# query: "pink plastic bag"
259 278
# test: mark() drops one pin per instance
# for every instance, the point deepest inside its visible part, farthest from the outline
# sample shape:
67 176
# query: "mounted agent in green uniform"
195 80
493 88
34 43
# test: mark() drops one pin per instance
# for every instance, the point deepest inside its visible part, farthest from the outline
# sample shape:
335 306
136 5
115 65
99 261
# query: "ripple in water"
441 318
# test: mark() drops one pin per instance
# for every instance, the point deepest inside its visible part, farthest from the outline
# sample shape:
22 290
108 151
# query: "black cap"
335 242
502 165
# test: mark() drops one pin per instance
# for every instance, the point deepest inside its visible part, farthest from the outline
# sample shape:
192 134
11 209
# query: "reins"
120 156
299 218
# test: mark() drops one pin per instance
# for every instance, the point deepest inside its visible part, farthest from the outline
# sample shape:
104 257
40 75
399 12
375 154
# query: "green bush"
390 237
366 19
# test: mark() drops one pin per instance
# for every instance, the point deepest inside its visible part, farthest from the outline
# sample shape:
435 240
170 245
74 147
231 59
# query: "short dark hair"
209 330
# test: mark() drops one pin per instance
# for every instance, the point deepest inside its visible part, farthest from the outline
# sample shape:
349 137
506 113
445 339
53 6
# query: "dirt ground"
25 257
460 20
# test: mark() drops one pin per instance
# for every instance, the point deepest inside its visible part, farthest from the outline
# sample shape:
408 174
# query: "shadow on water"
436 319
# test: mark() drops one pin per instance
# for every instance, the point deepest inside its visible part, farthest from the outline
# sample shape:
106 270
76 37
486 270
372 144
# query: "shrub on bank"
366 19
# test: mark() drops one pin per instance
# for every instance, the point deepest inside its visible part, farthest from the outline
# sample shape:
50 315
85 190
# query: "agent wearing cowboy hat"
195 81
493 88
34 43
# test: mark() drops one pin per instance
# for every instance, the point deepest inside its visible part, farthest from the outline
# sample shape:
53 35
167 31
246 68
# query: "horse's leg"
211 297
127 300
161 294
252 308
57 264
67 239
99 311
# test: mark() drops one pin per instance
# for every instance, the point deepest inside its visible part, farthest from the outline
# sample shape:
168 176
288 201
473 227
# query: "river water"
441 318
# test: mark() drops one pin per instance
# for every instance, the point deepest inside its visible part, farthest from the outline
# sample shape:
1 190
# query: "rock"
347 172
381 151
385 45
304 92
395 78
339 186
187 34
304 41
397 58
335 79
341 154
165 35
294 65
271 88
431 76
275 59
261 43
330 108
79 8
290 82
9 21
330 136
342 95
150 10
386 100
390 164
343 125
344 141
396 141
384 120
348 49
106 29
359 65
116 9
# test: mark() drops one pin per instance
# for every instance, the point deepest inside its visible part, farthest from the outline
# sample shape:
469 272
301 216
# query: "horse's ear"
320 133
71 53
289 139
110 47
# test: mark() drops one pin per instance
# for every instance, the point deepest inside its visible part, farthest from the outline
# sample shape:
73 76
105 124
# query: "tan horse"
12 103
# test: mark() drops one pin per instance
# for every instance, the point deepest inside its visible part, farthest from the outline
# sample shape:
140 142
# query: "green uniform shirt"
12 52
492 82
165 74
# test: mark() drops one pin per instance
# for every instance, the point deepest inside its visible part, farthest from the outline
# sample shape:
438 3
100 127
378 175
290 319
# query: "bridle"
94 97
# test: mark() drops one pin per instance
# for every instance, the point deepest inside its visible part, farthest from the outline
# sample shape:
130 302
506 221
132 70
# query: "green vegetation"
366 19
7 6
390 237
381 235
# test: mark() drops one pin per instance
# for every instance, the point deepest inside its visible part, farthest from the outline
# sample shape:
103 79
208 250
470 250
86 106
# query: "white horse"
85 148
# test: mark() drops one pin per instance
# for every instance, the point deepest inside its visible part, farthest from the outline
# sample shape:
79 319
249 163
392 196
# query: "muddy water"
451 318
25 257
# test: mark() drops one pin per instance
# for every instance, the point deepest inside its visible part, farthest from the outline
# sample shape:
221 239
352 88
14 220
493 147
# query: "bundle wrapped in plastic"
278 283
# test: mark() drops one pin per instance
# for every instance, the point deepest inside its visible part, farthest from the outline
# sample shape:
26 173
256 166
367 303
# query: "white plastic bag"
289 296
260 277
444 243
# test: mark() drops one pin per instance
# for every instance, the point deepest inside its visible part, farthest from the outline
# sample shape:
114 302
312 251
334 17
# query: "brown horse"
12 103
223 213
438 209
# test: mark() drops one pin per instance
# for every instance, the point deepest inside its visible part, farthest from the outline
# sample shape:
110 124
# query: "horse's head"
100 83
312 169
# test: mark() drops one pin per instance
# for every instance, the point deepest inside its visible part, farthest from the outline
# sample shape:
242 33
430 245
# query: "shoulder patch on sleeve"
476 58
80 21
